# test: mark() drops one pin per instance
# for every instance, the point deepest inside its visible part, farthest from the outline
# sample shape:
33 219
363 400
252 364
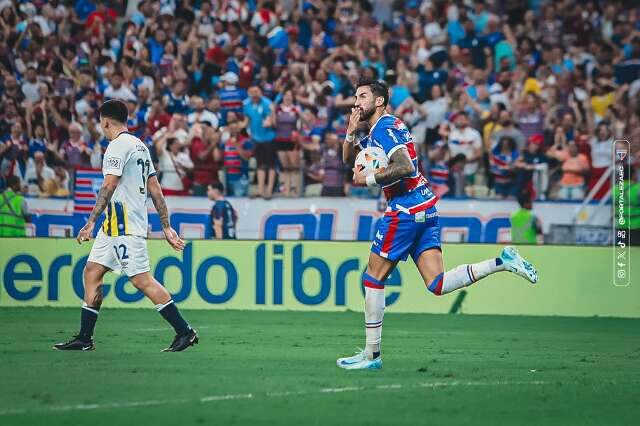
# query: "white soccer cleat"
359 361
515 263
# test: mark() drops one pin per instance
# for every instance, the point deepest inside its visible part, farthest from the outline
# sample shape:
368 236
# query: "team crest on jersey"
112 162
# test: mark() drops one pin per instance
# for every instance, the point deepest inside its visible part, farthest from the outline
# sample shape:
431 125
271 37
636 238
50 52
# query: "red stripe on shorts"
391 233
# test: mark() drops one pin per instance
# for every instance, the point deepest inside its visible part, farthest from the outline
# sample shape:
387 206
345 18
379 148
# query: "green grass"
439 369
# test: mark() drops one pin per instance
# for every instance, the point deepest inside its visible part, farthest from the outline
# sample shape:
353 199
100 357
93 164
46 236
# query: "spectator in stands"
508 129
464 139
223 217
533 160
439 168
175 165
332 173
31 86
156 117
200 114
118 90
503 159
61 185
601 158
258 112
75 151
457 176
57 61
38 175
287 123
574 165
205 154
231 97
12 159
236 151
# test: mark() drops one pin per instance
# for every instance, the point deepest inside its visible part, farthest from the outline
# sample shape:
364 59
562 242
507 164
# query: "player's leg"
378 269
185 335
101 260
394 237
93 275
137 269
427 256
430 265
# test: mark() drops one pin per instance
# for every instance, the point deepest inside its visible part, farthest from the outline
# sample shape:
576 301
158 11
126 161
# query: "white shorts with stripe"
125 254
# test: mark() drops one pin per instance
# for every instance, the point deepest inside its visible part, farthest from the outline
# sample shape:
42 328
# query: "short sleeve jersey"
391 134
127 156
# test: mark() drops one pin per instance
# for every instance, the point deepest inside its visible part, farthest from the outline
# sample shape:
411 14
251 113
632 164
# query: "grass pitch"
279 368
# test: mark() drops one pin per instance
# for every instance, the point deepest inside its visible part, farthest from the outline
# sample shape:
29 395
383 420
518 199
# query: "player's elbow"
110 182
408 170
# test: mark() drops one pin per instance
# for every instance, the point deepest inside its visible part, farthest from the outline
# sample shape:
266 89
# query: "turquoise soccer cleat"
515 263
359 361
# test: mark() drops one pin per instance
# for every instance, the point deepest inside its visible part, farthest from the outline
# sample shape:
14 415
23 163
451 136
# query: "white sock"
464 275
373 314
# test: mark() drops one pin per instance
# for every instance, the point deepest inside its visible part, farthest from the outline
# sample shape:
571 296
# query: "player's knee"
435 286
91 273
141 283
372 282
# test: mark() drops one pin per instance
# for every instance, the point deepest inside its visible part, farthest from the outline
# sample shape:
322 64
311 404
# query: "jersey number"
144 165
124 252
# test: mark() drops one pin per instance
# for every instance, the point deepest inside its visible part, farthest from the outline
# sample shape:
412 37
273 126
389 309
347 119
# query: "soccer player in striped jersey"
410 224
121 244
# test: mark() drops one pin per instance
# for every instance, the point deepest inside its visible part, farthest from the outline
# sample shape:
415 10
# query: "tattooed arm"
400 166
155 191
104 198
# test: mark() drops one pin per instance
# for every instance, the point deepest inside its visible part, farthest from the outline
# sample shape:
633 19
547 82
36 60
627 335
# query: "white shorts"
126 254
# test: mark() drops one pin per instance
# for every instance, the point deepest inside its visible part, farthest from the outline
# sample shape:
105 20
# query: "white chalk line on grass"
229 397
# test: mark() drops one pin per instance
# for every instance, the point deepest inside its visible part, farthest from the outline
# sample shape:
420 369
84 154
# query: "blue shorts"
400 234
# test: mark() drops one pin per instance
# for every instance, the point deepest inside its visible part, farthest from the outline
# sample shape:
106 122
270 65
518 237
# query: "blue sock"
498 261
170 313
88 318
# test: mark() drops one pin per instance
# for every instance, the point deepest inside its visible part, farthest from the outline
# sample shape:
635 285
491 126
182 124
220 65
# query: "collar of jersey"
377 121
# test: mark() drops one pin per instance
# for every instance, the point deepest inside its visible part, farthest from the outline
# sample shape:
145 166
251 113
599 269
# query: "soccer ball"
371 159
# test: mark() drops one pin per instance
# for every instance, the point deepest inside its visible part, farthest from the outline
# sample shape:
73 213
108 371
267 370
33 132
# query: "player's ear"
379 101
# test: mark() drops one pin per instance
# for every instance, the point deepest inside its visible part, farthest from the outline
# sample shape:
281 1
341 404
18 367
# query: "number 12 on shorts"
123 248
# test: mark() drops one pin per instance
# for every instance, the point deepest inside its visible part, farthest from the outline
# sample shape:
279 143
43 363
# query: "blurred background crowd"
502 96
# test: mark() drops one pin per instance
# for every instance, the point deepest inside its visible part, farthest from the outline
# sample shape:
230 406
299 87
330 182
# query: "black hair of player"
378 88
218 185
13 183
524 199
115 110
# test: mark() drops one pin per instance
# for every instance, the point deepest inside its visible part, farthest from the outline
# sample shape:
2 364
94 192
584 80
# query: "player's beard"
366 114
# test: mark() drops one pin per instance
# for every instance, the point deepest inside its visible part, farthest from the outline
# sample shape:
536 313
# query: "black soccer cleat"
76 344
183 341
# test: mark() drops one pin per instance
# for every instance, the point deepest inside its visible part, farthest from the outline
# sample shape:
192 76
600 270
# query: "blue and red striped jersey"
409 193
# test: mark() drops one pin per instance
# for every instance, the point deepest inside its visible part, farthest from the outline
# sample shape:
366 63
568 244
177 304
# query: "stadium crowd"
502 96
